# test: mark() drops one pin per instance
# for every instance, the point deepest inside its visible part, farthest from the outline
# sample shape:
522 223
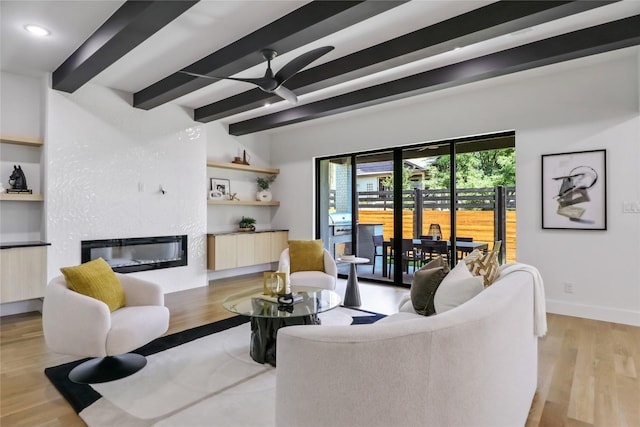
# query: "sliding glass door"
335 206
402 207
427 205
375 213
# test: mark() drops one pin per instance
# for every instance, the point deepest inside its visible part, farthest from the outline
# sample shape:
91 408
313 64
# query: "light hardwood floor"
588 370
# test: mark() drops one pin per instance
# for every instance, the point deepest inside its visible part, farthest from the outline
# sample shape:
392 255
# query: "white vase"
263 196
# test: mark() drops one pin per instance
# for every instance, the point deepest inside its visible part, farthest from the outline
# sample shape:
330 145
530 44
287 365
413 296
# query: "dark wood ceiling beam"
601 38
130 25
481 24
310 22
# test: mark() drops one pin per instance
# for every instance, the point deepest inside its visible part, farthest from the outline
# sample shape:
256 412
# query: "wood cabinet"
243 168
236 250
23 275
221 252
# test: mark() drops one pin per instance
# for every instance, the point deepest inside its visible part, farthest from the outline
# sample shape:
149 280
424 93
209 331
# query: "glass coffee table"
268 316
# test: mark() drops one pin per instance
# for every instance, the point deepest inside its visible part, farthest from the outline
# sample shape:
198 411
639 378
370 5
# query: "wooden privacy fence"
476 210
466 198
476 224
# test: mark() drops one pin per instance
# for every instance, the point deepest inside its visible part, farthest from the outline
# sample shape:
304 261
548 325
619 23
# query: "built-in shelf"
21 140
13 197
243 202
241 167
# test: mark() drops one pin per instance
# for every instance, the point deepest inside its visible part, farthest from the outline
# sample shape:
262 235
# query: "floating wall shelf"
240 167
21 197
21 140
243 202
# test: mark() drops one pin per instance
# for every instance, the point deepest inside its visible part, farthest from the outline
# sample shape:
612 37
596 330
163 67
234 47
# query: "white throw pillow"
458 287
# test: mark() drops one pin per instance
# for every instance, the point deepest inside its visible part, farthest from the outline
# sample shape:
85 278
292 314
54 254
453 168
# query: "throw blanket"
539 304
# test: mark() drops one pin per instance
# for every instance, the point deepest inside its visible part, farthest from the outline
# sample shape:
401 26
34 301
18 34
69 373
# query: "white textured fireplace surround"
106 163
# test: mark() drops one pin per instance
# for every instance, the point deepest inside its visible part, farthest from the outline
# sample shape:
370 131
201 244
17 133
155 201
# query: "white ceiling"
211 25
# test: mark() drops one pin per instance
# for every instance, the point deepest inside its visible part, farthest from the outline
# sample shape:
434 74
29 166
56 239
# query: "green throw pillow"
424 285
306 255
97 280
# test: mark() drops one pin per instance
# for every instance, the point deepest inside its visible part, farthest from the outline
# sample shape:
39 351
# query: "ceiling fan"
271 83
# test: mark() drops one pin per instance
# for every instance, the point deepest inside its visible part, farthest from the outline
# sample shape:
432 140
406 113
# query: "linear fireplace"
138 254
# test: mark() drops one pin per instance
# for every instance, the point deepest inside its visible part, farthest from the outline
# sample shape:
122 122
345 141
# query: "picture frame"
574 190
221 185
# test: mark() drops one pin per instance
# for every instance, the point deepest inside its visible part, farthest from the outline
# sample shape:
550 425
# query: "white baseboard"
19 307
607 314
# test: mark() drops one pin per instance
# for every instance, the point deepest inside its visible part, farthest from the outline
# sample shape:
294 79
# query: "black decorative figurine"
17 180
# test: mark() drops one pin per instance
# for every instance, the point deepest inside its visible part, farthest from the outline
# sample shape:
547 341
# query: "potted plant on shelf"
263 194
247 224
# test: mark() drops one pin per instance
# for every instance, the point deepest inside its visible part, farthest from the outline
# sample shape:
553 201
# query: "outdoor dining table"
465 247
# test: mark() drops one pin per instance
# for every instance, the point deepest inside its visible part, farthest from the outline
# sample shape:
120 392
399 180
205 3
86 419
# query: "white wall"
585 104
106 162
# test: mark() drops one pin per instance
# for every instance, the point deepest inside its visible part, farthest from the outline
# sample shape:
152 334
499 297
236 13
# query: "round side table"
352 293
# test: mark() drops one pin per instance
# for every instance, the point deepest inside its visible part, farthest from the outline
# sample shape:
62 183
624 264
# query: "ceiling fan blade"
286 94
260 82
200 75
300 62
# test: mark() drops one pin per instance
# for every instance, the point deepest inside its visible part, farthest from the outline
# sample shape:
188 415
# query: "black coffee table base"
264 331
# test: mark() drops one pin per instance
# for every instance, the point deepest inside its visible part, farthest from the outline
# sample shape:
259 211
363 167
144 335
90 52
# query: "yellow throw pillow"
485 265
97 280
306 255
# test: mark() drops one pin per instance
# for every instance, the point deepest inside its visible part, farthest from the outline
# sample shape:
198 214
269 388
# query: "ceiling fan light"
37 30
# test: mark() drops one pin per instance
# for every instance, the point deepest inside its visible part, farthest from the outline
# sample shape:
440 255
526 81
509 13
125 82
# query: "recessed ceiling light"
37 30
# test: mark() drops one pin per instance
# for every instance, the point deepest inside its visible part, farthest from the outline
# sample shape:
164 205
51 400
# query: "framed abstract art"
574 190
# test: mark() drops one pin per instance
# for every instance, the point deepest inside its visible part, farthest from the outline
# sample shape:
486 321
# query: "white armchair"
79 325
318 279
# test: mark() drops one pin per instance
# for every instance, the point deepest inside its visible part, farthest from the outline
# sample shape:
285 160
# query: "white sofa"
474 365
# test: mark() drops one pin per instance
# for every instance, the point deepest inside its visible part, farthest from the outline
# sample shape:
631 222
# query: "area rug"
200 377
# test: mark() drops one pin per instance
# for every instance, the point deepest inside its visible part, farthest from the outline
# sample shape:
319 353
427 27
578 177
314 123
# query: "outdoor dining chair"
378 241
430 249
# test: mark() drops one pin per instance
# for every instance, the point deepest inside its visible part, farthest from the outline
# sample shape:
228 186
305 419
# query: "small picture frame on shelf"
221 186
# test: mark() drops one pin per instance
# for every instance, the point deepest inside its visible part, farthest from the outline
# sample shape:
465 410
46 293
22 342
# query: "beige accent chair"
317 279
82 326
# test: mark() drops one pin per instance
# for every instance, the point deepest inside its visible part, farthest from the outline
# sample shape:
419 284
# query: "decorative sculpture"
244 160
18 181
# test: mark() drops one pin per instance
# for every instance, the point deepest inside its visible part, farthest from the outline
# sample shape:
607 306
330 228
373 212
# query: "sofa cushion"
97 280
485 265
458 287
424 285
306 255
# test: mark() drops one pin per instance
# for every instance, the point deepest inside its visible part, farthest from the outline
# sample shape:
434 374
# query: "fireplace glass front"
138 254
